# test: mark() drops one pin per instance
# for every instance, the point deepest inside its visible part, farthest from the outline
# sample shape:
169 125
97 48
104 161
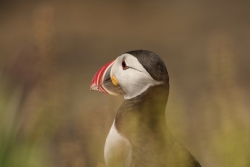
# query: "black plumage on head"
153 64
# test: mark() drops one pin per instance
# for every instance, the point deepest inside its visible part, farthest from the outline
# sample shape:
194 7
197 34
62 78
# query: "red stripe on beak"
98 80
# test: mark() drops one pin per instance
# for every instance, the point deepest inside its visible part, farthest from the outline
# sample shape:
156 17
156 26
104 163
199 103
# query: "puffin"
139 136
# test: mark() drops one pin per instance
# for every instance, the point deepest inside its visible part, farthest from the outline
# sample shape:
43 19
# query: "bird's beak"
102 81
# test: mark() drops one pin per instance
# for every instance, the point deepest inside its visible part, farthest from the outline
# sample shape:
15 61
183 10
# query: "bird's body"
117 150
139 136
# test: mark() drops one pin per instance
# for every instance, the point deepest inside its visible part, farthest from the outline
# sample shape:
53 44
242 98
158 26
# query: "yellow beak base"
114 81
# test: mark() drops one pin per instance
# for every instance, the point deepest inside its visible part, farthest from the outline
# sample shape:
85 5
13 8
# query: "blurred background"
50 50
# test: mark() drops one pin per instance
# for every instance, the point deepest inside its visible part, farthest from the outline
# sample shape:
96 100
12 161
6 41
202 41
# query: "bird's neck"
142 118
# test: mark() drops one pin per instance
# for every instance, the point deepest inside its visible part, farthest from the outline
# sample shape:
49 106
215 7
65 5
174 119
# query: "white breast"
117 150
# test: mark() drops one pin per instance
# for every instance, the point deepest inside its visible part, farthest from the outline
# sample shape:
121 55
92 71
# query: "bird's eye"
124 65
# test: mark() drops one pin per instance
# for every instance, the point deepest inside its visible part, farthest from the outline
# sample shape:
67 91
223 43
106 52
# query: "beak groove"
102 82
98 80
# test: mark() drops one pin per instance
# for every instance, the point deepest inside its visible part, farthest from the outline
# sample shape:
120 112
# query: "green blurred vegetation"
49 52
16 149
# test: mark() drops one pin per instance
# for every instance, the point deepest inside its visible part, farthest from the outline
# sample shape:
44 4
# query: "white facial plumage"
132 78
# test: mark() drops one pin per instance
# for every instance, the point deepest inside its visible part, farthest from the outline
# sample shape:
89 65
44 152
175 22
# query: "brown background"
50 50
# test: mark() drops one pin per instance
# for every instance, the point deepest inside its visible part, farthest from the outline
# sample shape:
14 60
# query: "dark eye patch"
124 65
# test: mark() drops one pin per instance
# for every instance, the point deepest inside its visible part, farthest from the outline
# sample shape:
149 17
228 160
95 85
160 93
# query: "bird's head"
131 74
